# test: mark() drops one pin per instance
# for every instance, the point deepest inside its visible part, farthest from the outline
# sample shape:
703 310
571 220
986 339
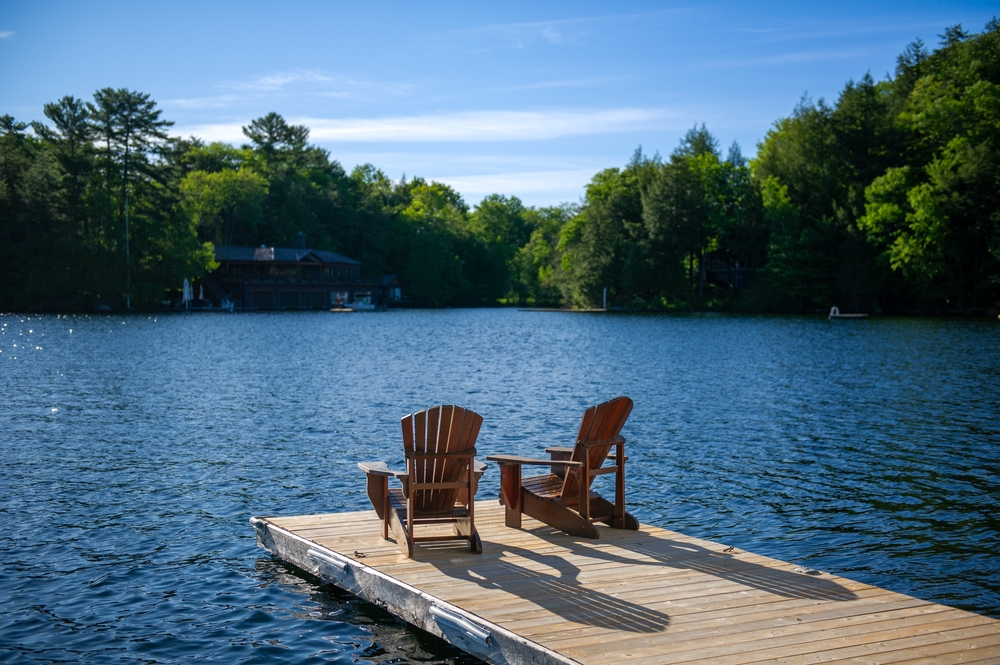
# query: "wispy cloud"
223 132
298 84
487 126
521 35
793 33
456 159
6 35
278 81
211 102
564 83
785 59
561 32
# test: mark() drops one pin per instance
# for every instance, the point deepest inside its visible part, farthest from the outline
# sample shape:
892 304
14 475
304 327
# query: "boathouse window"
338 298
364 297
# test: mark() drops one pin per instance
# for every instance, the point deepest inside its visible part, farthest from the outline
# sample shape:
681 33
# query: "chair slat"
587 423
600 423
433 469
419 444
438 500
408 433
443 440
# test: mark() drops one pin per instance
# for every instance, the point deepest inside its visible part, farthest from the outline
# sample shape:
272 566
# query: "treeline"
887 200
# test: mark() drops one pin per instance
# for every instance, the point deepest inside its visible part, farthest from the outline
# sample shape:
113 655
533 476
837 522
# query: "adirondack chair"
437 486
563 498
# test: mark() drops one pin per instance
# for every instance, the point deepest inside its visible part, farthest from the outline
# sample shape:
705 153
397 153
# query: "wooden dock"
538 596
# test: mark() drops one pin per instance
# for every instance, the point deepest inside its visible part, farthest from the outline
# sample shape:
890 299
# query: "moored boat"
835 314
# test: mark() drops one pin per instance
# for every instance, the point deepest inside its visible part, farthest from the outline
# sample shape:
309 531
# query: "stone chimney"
300 240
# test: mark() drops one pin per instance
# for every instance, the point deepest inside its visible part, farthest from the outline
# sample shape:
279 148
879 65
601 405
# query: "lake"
136 448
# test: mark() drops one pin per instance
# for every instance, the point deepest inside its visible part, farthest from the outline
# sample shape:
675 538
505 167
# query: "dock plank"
646 596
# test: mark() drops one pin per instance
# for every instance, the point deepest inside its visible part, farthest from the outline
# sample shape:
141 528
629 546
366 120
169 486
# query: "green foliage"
893 193
500 226
887 199
595 245
67 193
649 232
536 268
936 218
224 202
429 234
31 204
216 157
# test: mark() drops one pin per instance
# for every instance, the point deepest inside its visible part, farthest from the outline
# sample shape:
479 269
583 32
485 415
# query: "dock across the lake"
536 595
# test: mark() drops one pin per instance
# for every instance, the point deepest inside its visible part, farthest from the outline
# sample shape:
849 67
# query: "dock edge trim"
457 626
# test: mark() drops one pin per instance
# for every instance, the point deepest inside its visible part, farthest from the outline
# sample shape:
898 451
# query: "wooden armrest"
381 469
514 459
478 467
562 450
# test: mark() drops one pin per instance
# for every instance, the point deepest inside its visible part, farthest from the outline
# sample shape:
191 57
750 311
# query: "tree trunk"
701 271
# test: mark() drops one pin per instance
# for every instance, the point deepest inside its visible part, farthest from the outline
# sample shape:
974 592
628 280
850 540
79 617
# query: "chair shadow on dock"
561 579
552 583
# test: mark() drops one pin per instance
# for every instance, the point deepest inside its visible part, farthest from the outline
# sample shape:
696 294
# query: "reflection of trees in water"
351 627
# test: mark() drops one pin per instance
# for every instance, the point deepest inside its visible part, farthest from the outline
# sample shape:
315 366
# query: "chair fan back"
440 429
603 422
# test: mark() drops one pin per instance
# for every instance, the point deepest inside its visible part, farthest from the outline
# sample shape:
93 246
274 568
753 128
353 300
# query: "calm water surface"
134 450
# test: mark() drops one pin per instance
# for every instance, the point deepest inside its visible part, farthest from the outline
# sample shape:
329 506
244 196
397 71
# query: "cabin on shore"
294 278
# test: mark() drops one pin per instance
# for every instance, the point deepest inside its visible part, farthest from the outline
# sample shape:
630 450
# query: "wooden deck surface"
647 596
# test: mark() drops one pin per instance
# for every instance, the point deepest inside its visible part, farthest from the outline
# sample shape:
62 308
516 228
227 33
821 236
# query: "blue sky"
527 99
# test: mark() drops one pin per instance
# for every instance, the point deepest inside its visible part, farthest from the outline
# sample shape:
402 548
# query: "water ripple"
136 448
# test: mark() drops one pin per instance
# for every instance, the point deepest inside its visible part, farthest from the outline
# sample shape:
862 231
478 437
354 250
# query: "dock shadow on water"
553 580
354 627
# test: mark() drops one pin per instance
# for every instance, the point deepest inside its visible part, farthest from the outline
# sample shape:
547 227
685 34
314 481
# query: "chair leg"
560 517
464 527
510 487
410 512
401 533
602 506
378 492
385 512
620 485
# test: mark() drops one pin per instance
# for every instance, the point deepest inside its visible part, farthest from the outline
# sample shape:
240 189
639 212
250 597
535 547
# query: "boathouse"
295 278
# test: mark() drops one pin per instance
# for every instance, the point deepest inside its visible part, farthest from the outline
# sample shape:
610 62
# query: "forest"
887 200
